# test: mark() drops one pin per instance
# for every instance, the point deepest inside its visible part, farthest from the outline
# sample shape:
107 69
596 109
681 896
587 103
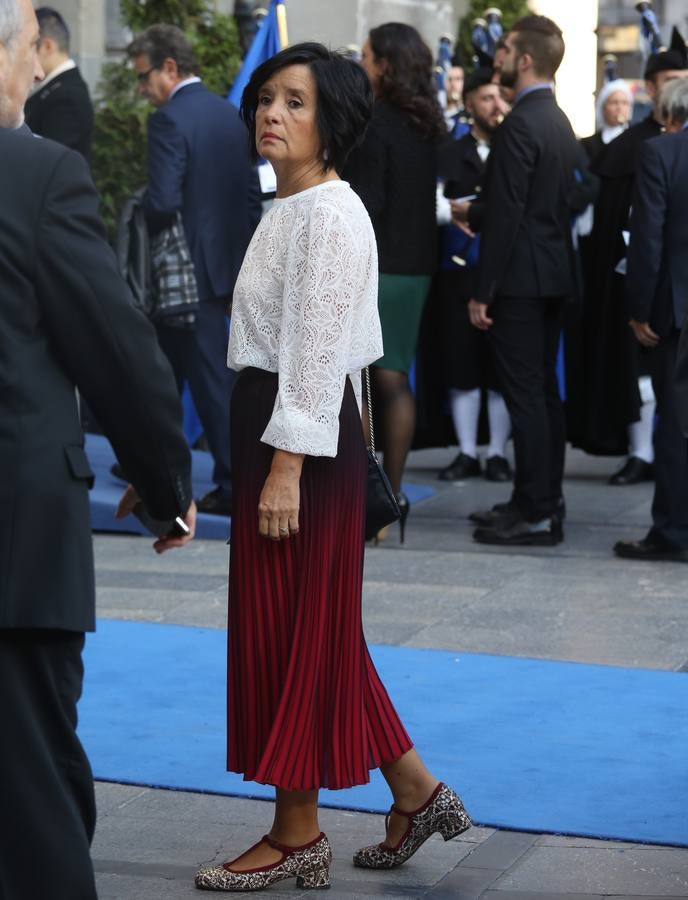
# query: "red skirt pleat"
306 707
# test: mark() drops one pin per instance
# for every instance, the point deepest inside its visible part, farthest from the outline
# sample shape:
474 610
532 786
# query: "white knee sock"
640 433
500 424
465 407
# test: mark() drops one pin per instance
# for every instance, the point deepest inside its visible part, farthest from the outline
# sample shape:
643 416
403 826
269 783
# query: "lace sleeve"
323 280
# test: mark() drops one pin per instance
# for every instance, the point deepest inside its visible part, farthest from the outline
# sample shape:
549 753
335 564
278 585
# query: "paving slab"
575 602
645 871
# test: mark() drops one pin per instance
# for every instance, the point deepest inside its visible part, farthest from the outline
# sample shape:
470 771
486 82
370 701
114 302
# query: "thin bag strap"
370 409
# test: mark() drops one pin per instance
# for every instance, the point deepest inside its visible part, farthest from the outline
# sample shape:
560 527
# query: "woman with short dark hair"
306 707
395 173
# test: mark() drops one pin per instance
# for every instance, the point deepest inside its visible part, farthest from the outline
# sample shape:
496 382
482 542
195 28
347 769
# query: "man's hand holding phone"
171 534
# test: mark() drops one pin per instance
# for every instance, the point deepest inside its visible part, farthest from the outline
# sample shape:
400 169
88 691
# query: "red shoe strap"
283 848
410 815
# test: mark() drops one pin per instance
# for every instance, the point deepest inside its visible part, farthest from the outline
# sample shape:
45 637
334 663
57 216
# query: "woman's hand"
278 506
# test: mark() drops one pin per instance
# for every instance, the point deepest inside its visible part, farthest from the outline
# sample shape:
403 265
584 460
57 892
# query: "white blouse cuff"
296 433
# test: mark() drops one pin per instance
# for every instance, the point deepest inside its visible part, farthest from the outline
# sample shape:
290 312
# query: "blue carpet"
532 745
108 490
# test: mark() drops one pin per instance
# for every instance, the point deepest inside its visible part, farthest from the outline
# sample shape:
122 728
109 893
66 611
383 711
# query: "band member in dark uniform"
466 356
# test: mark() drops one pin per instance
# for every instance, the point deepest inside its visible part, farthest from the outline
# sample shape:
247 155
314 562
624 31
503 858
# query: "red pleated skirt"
306 708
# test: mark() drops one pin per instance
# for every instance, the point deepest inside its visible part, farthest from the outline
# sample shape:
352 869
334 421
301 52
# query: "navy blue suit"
657 292
199 164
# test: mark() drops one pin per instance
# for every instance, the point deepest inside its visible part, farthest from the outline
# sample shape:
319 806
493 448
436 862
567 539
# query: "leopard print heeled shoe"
444 812
309 864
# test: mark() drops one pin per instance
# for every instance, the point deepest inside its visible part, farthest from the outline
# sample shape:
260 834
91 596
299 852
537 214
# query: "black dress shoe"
462 467
503 513
497 468
118 472
216 502
633 471
653 548
520 533
499 514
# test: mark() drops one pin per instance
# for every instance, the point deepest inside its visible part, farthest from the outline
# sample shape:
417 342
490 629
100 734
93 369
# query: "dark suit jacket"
66 323
394 172
62 111
461 167
593 145
463 172
657 279
682 378
198 163
526 246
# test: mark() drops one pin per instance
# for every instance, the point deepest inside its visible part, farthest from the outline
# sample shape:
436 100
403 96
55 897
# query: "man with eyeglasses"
199 166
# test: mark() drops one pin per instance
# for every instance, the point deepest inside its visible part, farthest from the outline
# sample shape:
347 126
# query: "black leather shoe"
653 548
216 502
462 467
118 472
633 471
503 513
520 533
499 514
497 468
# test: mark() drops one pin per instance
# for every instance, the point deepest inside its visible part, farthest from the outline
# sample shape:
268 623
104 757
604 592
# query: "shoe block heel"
315 880
452 826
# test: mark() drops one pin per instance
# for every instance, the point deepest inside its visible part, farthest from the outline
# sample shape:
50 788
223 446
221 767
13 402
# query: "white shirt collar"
194 79
58 70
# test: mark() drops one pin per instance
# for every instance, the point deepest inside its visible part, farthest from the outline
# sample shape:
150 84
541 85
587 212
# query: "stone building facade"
97 33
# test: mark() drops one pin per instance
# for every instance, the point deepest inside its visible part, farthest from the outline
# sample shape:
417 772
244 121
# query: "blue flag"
266 43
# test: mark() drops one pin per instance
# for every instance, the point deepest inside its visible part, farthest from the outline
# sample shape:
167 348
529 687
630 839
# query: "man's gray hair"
11 22
674 101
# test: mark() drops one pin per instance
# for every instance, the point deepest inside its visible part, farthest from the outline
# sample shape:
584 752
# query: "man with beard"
618 405
526 272
466 356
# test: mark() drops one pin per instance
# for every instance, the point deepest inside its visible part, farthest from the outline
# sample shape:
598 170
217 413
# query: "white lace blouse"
305 306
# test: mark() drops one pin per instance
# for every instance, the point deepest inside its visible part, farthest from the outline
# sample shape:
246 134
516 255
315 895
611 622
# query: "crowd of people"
336 276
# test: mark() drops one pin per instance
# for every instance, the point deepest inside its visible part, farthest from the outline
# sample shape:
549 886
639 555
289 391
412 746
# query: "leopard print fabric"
443 813
310 867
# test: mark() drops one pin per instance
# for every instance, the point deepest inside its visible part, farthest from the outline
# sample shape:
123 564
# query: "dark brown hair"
542 40
160 42
408 80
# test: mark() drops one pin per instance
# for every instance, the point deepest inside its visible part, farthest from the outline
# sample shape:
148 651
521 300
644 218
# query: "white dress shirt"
305 306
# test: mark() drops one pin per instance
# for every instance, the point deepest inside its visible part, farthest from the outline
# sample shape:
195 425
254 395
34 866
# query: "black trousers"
670 502
199 355
525 341
47 801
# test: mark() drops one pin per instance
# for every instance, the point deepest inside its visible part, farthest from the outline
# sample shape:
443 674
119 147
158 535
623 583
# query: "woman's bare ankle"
411 797
295 838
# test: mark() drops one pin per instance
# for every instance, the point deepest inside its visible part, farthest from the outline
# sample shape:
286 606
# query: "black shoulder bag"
382 506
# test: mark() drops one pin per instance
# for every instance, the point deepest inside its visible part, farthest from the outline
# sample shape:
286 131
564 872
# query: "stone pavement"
574 602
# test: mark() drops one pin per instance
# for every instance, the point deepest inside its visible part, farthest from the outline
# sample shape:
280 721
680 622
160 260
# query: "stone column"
577 75
338 23
86 22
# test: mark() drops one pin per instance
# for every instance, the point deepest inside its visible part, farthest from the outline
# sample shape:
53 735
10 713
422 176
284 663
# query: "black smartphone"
160 527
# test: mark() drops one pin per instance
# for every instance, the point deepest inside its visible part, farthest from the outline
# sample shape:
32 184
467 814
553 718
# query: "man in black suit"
526 273
657 306
199 165
616 405
66 323
60 108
